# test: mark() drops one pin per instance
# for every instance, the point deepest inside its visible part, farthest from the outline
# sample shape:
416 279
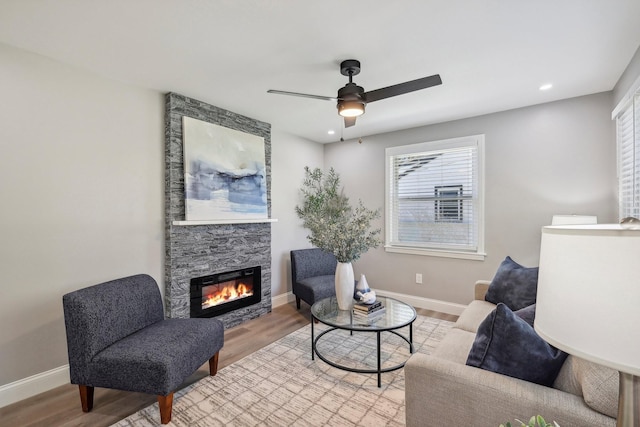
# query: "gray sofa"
312 275
441 390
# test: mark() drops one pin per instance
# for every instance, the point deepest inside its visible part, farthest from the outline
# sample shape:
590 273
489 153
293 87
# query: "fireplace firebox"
224 292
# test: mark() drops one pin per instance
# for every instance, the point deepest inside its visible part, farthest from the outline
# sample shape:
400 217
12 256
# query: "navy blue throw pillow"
514 285
528 314
507 345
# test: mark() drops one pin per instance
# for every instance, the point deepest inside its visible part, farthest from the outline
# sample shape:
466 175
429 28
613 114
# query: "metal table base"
379 370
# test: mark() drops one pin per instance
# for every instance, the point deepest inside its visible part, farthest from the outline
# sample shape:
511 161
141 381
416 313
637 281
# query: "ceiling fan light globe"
350 108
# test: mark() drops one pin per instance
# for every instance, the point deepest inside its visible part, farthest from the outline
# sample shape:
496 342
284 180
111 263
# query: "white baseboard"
426 303
35 384
39 383
282 299
420 302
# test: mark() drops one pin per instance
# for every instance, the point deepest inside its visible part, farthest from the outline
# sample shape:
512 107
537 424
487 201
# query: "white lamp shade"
588 301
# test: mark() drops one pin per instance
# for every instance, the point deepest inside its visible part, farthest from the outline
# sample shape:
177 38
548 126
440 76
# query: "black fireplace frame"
197 283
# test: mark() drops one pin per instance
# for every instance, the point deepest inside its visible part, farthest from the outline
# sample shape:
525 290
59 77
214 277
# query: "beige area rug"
279 385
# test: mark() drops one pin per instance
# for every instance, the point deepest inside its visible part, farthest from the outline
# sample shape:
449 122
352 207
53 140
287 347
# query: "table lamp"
588 301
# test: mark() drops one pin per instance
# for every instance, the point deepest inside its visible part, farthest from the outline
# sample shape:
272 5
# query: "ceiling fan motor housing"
350 100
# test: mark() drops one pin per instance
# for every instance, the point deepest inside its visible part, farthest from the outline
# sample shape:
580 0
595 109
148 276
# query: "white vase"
345 285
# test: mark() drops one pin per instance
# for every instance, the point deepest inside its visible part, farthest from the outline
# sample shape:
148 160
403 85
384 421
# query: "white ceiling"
492 55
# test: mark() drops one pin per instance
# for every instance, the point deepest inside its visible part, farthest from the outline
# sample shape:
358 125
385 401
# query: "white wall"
289 156
556 158
81 187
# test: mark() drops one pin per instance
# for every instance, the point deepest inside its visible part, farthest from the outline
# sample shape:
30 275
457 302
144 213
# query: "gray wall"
289 155
628 77
81 177
555 158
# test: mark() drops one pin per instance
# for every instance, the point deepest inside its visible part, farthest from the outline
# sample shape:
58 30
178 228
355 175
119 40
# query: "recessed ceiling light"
331 132
546 86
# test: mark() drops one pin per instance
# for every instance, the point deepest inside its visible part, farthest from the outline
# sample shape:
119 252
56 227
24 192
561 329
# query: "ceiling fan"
352 98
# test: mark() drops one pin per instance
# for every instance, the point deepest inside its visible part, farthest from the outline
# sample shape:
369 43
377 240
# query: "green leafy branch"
535 421
334 225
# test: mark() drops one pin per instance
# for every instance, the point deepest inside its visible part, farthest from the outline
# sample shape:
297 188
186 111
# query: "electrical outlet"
419 278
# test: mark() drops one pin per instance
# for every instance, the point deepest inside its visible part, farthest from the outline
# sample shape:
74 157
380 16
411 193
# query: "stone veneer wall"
200 250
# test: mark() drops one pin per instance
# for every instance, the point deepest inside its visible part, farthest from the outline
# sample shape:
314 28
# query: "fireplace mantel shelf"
225 221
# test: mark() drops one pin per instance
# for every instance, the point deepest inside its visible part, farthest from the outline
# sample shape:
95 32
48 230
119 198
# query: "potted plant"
535 421
337 227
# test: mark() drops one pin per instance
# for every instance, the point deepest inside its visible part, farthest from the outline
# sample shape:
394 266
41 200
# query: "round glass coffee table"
397 314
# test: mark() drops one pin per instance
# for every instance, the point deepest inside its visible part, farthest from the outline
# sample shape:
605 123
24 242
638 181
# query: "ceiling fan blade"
402 88
303 95
349 121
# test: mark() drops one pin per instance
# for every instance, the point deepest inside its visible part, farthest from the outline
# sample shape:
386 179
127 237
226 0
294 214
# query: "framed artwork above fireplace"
224 173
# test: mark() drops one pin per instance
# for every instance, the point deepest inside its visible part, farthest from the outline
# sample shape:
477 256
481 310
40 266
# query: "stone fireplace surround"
200 250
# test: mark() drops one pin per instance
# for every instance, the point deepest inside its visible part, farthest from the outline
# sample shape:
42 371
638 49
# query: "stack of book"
368 312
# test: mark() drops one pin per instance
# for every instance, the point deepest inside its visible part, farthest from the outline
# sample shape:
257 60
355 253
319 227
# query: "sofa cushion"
507 345
314 289
152 360
514 285
528 314
473 315
455 346
597 384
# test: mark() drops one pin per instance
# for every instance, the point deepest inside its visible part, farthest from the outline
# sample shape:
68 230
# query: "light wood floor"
61 406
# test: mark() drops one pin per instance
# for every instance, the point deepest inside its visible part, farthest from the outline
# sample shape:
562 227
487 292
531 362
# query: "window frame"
473 141
628 151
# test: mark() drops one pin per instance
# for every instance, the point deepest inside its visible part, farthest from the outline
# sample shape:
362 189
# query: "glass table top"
396 315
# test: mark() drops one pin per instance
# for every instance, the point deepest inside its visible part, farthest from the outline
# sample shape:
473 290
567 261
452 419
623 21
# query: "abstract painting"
224 173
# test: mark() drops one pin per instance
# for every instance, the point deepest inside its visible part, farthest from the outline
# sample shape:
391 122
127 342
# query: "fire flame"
228 292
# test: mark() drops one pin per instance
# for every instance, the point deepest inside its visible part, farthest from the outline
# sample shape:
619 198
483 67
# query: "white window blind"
628 145
434 202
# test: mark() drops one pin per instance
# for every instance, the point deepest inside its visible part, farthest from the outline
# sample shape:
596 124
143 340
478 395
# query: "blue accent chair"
312 275
117 337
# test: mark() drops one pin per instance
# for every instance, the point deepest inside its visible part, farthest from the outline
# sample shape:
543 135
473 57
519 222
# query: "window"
434 198
627 115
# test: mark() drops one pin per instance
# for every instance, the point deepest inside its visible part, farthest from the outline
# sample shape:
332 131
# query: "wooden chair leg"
86 397
298 303
213 364
166 404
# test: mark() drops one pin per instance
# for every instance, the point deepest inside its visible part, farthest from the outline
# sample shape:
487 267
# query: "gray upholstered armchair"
117 337
312 275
